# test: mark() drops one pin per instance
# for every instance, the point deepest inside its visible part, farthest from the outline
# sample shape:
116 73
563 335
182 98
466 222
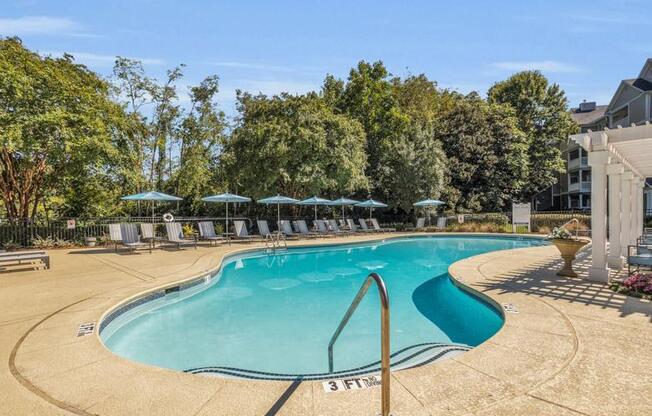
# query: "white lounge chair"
115 235
263 228
147 233
304 231
354 228
377 227
323 229
130 238
441 223
336 229
175 235
241 232
207 232
364 227
286 228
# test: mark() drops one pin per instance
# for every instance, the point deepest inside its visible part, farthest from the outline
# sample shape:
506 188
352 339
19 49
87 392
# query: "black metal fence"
24 233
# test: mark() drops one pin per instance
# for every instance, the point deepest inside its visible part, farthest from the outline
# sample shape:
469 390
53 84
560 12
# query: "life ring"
168 217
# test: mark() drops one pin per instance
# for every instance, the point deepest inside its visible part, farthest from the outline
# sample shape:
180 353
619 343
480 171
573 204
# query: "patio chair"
131 239
207 232
441 223
323 229
336 229
175 235
354 228
115 235
638 256
420 225
20 257
263 228
286 228
147 233
241 232
304 231
364 227
377 227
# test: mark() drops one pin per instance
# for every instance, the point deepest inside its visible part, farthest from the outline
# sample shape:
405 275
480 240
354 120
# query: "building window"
574 201
574 177
586 176
586 201
574 154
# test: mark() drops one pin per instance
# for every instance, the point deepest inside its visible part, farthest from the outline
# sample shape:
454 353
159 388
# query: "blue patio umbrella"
315 200
151 196
226 198
428 203
342 202
371 204
278 200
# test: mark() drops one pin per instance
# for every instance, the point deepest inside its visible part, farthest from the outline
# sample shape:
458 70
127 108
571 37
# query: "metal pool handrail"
384 334
577 226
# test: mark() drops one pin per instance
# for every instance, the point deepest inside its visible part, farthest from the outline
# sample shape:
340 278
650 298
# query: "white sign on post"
71 224
521 216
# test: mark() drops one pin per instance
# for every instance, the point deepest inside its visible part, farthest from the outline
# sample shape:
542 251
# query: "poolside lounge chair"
241 232
147 233
115 235
420 225
19 257
441 223
637 257
336 229
175 235
207 232
263 228
304 231
286 228
131 239
354 228
364 227
377 227
323 229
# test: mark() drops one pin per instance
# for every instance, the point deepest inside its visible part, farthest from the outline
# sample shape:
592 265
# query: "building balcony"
580 162
579 187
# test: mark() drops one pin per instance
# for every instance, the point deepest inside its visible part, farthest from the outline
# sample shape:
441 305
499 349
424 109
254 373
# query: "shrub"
11 245
49 242
188 230
638 284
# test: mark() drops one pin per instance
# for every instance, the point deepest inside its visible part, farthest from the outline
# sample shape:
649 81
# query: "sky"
284 45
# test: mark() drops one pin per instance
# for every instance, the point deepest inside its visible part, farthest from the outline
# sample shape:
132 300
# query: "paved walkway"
574 348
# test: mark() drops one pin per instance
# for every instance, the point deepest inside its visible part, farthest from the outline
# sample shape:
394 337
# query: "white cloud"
99 60
544 66
40 25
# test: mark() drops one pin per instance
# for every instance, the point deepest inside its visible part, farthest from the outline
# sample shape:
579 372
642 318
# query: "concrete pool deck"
573 348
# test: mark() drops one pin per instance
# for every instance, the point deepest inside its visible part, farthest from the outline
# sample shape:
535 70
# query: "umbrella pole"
315 212
343 217
226 226
278 217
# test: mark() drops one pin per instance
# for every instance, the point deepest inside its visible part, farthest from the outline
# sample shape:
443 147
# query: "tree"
201 136
58 129
293 145
542 114
486 152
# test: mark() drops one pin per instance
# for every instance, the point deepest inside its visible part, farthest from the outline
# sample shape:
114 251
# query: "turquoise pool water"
275 313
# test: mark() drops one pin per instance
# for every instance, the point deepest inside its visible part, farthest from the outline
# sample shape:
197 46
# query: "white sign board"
521 215
71 224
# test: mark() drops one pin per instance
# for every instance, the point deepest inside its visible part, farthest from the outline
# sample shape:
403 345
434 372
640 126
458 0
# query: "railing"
573 221
384 334
273 241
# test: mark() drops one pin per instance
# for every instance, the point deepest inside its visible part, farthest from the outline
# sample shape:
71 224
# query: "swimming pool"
271 315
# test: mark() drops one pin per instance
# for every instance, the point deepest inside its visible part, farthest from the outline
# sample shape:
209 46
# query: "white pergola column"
625 210
615 172
633 225
641 197
598 160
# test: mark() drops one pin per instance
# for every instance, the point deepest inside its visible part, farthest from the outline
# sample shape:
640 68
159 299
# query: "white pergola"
620 160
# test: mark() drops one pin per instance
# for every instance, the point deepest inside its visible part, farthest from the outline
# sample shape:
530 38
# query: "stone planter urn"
568 247
90 241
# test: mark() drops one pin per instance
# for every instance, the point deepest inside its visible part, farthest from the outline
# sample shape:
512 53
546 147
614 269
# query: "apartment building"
630 105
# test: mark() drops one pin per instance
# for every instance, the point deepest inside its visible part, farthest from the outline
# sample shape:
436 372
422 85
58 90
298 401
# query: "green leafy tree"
486 152
59 131
294 145
201 136
542 114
